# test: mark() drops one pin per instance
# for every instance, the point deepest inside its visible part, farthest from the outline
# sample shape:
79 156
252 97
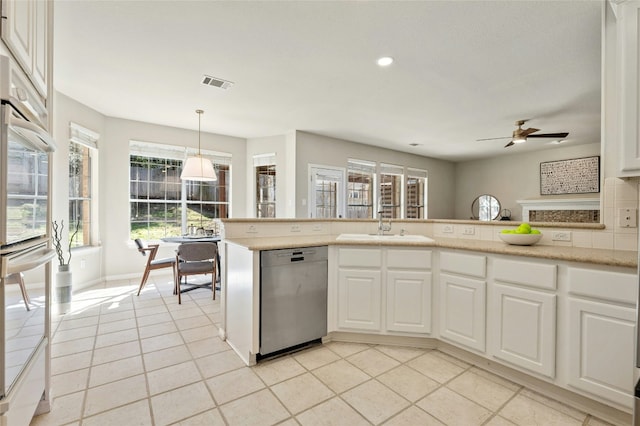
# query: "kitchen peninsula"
540 315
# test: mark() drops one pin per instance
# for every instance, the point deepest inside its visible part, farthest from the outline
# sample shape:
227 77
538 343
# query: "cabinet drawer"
526 273
409 259
467 264
612 286
360 257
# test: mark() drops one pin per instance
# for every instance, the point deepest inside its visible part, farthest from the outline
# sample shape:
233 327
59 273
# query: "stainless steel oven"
24 163
25 248
24 296
636 400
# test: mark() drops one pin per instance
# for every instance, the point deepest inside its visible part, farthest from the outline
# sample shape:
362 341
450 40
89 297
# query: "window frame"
87 141
190 196
265 195
361 169
422 177
396 177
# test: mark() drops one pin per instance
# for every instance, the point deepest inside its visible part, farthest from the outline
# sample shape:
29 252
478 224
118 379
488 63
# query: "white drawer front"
409 259
526 273
613 286
467 264
360 257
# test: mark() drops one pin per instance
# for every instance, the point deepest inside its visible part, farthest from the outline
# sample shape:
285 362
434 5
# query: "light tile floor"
121 359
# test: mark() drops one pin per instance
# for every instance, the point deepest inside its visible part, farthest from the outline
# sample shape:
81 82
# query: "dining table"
185 239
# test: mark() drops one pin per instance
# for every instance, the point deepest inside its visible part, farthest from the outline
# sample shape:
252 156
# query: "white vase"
63 284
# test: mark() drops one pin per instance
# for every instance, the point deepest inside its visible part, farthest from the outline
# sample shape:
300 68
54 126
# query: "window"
360 184
390 202
326 200
265 168
416 194
82 161
161 204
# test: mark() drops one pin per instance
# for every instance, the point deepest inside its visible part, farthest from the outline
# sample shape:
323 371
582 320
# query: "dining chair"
18 278
197 258
152 262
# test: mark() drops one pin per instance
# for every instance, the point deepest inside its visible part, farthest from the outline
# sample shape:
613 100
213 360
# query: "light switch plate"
447 229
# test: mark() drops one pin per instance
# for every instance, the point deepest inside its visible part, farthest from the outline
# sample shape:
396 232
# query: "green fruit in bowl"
535 231
524 228
506 231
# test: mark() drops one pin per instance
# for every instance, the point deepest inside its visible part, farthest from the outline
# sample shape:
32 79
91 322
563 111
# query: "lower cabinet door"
524 327
462 311
601 349
409 301
359 299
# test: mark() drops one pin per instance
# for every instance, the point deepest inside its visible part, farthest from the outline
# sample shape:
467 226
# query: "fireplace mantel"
558 204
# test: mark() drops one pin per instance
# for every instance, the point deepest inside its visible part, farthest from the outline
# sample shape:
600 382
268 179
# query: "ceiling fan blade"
527 132
492 139
509 144
550 135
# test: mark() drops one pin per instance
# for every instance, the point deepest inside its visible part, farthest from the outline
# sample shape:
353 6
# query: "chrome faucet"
382 227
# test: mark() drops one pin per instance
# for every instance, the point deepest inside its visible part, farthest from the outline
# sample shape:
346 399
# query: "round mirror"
485 207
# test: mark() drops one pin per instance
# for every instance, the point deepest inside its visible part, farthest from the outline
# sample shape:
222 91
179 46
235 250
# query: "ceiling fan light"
519 139
198 168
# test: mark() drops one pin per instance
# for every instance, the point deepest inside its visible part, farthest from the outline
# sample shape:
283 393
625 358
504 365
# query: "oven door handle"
37 135
30 261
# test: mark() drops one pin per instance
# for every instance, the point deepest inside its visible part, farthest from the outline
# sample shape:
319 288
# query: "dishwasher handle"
296 253
302 255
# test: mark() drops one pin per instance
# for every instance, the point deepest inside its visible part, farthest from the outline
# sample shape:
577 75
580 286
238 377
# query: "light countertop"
623 258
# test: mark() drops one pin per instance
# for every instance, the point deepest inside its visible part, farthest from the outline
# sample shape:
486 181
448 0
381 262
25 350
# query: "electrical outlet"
627 218
251 229
295 228
561 236
317 228
469 230
83 263
447 229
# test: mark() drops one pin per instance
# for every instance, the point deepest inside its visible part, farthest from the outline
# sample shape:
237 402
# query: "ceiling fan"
520 135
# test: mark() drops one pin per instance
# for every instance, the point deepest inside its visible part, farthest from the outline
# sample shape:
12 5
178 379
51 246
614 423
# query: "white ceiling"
463 70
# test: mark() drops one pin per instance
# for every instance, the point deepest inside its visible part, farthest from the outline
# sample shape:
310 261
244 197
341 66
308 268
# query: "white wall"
509 177
323 150
67 110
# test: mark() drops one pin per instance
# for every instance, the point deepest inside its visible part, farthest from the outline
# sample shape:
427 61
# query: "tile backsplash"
617 194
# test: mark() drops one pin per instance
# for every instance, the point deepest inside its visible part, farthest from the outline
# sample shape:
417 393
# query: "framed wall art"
574 176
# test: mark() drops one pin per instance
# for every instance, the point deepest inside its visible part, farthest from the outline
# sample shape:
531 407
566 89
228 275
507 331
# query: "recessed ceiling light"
385 61
415 144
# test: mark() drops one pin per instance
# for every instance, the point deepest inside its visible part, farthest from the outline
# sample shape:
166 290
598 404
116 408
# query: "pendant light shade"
197 167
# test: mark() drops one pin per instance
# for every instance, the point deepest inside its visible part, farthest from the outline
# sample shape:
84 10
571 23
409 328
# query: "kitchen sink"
386 237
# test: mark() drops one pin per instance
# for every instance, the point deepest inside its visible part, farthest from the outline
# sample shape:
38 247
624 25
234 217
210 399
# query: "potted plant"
63 276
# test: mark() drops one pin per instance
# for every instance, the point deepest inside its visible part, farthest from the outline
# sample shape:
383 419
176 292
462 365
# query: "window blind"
83 136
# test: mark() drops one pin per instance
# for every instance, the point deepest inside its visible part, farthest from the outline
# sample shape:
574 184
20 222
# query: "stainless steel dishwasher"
293 298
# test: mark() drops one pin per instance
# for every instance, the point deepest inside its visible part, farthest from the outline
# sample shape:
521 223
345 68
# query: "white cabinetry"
25 32
628 89
522 322
359 289
408 282
384 290
602 333
462 299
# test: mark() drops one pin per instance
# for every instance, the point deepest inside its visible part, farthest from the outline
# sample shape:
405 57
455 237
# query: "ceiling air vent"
216 82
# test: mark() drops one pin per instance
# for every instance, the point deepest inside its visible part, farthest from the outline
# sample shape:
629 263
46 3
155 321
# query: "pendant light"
198 167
